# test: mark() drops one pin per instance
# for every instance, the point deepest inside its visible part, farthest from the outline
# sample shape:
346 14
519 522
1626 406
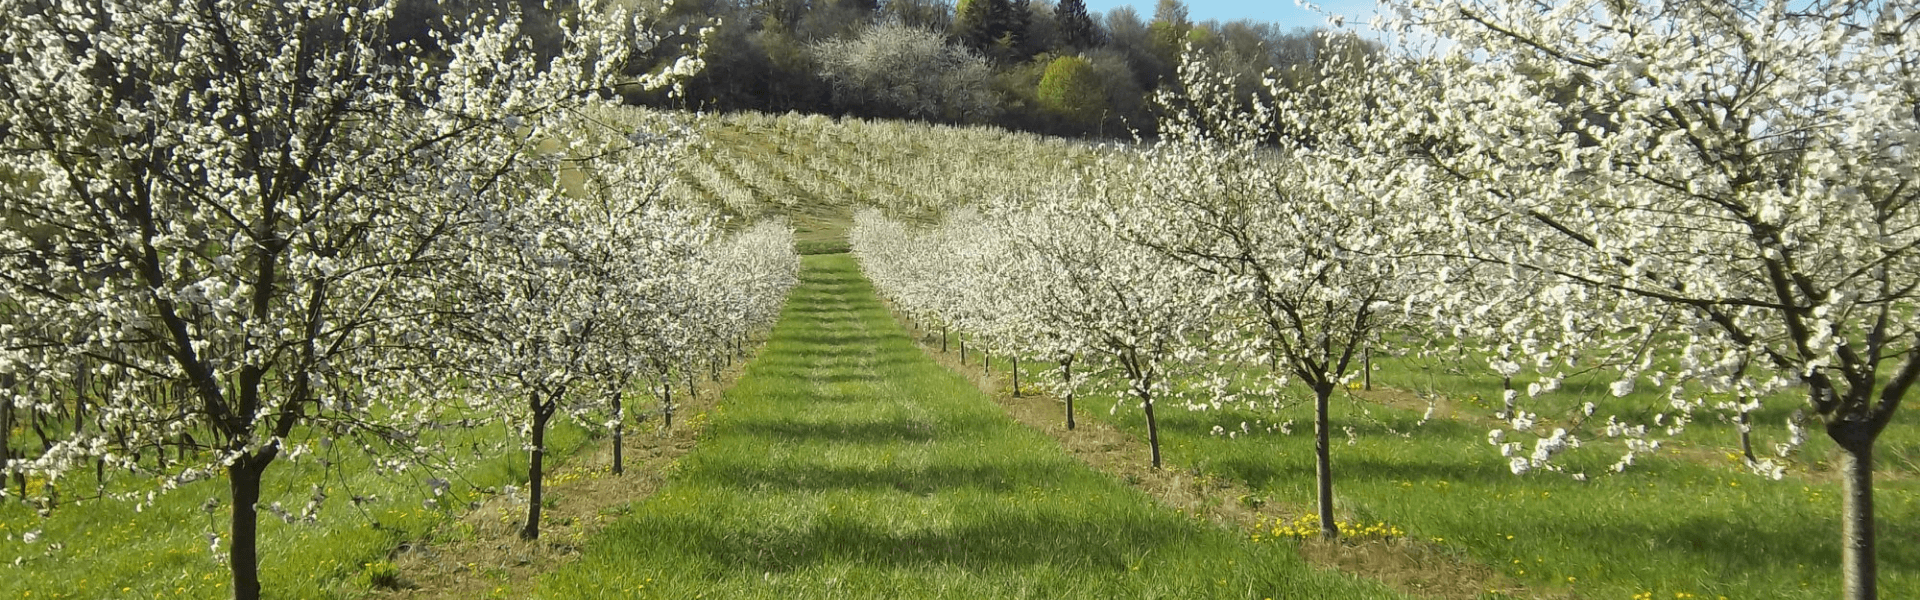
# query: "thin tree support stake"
1507 395
666 401
1323 461
1366 368
1016 375
1067 376
6 422
1153 428
619 431
1746 433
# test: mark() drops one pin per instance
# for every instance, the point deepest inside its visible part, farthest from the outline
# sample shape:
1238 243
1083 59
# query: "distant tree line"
1033 65
1046 66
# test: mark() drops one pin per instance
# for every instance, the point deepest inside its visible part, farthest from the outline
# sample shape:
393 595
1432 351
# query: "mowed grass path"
847 464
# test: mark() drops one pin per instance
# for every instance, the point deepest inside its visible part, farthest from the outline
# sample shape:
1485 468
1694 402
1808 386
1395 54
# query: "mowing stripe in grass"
846 464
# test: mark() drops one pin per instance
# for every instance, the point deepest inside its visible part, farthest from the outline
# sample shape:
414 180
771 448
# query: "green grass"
1466 379
1687 522
1670 527
845 463
829 246
107 550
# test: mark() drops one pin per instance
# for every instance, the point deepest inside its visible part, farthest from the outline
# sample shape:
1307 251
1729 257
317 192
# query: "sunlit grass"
106 549
1689 522
845 463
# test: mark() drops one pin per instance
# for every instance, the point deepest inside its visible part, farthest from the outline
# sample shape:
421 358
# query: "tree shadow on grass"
1265 471
813 362
806 475
1726 549
989 541
849 341
819 309
1201 423
784 428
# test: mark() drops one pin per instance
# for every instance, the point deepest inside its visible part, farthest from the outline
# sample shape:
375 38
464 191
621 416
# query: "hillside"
816 170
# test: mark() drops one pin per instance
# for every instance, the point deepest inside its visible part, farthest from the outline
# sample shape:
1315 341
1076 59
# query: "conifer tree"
1076 26
993 27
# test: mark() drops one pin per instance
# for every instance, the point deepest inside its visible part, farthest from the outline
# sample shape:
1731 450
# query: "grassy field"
816 170
105 549
1689 522
847 464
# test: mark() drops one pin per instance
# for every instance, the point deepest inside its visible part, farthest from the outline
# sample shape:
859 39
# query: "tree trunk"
46 442
243 551
40 430
619 433
1507 396
1366 368
963 348
986 360
943 339
1016 375
1859 573
81 382
6 419
1068 376
1323 460
535 475
693 391
1746 434
666 401
1153 427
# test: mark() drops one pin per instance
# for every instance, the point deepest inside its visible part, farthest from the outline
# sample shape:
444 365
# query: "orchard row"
1713 200
239 233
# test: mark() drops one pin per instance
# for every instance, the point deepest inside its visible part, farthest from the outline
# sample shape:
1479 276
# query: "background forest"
1031 65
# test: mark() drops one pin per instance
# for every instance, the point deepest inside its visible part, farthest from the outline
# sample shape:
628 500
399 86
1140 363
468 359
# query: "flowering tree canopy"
1048 276
1733 182
226 213
1298 233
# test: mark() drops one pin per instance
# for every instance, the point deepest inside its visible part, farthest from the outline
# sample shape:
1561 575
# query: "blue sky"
1285 12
